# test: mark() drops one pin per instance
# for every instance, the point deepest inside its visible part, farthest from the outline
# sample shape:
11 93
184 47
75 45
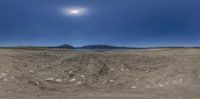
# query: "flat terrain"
124 74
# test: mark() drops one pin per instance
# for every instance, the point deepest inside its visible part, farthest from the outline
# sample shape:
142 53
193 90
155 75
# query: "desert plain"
50 73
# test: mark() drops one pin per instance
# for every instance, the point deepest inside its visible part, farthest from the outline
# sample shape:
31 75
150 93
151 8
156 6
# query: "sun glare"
74 11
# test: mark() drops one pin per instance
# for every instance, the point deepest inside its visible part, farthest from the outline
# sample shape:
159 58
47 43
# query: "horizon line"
54 46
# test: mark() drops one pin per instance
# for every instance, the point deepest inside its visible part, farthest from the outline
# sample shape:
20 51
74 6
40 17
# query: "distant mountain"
95 47
66 46
103 47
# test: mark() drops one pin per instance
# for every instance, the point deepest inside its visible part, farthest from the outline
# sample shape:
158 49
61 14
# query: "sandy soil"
128 74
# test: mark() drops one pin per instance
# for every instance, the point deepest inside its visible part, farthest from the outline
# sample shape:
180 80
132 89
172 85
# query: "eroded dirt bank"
145 74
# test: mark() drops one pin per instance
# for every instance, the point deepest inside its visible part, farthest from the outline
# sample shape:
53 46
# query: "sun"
75 11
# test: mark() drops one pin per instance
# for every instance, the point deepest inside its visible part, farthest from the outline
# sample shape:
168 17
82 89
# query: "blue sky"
115 22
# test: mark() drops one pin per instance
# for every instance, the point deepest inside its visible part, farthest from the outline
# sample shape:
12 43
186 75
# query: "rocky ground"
127 74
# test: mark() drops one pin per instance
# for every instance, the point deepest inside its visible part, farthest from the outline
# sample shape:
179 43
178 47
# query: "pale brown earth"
123 74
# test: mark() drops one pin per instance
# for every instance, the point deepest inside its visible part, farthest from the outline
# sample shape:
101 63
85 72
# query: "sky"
137 23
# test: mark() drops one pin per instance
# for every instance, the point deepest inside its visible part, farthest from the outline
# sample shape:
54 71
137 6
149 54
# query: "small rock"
112 69
160 84
133 87
73 79
122 69
3 74
71 74
34 83
49 79
104 81
47 66
5 80
58 80
37 83
79 82
31 71
111 81
82 76
147 71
